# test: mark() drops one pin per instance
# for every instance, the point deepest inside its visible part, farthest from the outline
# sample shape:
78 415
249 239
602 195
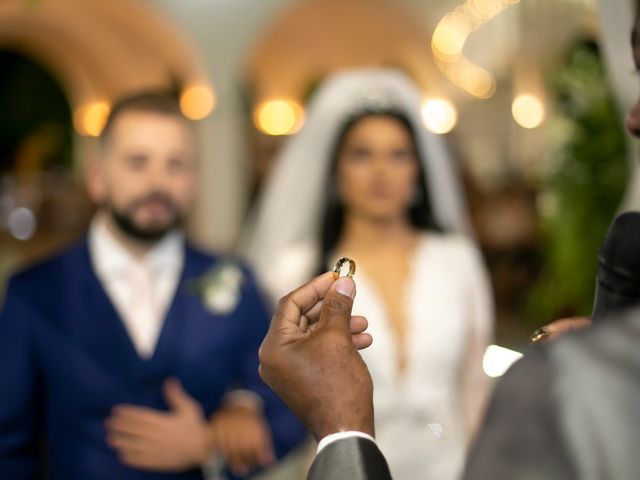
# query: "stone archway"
318 37
100 50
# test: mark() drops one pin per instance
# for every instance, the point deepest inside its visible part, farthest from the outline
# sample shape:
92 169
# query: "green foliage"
582 191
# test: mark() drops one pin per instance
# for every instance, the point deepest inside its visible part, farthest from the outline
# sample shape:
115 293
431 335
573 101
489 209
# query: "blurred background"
518 88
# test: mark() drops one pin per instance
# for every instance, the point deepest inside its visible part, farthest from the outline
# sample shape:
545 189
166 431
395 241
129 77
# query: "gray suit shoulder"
596 390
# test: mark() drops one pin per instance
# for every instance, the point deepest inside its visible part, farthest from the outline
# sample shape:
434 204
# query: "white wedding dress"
424 415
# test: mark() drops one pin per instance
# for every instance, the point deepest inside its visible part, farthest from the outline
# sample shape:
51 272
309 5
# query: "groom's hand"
166 441
310 358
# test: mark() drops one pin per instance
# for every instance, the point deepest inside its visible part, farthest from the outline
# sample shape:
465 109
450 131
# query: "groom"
133 355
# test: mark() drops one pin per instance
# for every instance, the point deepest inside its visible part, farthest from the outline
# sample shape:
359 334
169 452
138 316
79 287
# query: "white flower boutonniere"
219 287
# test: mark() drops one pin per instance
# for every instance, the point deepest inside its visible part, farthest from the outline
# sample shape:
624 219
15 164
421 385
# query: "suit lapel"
99 327
97 321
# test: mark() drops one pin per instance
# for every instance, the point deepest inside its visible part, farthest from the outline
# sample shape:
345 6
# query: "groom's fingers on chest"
130 429
137 417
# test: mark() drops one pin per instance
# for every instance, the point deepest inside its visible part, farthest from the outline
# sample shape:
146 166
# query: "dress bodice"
422 422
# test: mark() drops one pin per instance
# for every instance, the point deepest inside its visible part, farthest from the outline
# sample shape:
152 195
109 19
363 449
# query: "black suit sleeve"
353 458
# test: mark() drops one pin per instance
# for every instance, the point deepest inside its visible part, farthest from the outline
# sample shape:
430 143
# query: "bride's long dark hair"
420 212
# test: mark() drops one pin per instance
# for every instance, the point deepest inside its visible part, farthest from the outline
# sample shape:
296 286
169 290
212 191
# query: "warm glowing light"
528 111
477 81
439 115
497 360
449 38
448 41
90 118
279 117
472 18
474 13
197 102
486 9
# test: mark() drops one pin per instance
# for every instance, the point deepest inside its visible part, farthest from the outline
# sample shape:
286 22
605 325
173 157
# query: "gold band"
340 263
539 335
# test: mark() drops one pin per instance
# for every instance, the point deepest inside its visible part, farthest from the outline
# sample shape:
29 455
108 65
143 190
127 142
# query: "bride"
365 179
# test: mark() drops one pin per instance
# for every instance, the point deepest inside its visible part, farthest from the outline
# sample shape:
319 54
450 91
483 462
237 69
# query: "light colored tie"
143 319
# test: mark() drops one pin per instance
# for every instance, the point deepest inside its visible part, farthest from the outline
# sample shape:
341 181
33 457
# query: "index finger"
568 324
136 413
292 307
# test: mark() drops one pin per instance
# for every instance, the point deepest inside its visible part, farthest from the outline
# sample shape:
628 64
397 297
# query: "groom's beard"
125 218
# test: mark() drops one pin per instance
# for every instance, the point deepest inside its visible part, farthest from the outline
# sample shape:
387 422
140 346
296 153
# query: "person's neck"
136 248
366 232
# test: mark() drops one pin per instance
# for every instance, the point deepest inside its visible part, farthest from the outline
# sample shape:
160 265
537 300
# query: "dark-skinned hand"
310 357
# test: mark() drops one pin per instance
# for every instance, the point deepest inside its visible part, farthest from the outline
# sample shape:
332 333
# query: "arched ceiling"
99 49
318 37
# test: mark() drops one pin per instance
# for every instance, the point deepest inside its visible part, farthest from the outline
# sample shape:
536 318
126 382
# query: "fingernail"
346 287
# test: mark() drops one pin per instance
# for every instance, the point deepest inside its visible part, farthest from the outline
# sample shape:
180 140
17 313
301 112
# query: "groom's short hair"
160 102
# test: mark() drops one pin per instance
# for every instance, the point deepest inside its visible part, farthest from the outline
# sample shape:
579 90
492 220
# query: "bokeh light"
497 360
279 117
450 36
528 111
89 119
439 115
485 9
477 81
448 39
196 102
22 223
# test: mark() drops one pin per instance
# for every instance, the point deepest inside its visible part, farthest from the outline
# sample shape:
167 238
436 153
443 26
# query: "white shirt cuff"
244 397
339 436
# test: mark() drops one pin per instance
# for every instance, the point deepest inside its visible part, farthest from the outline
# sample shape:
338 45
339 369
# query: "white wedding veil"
289 208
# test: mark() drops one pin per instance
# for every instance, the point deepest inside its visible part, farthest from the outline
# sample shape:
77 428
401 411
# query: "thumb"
175 395
337 304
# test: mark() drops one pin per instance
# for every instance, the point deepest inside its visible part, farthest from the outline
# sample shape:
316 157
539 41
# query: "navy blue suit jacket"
66 360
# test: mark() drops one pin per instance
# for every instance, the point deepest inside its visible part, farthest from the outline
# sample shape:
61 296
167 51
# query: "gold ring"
337 270
539 335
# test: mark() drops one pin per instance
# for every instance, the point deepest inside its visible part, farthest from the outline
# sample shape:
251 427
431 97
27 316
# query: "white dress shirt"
334 437
140 288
